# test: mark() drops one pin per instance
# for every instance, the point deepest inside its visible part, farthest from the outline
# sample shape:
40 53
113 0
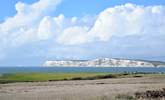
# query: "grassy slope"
25 77
35 77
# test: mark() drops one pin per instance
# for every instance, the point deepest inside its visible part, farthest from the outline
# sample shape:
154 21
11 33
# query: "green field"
41 77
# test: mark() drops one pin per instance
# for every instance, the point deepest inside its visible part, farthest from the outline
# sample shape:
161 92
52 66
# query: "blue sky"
75 7
33 31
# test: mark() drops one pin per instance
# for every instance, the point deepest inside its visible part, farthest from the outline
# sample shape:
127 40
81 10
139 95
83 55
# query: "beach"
102 89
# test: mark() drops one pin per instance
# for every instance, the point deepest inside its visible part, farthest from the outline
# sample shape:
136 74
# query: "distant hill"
105 62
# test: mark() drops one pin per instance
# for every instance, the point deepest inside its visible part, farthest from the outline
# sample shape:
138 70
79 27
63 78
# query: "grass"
40 77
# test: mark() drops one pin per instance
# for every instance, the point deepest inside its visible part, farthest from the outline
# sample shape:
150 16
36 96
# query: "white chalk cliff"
105 62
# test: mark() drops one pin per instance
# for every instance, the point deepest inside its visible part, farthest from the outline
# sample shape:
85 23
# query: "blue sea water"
80 69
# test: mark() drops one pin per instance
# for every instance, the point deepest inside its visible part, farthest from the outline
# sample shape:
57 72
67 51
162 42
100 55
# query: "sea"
4 70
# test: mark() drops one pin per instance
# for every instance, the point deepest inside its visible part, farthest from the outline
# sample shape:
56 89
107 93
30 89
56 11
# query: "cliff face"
106 62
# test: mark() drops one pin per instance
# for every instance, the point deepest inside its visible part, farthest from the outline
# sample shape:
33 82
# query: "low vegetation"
40 77
147 95
151 94
124 97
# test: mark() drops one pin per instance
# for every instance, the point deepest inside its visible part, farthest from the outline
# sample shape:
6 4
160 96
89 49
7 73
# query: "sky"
34 31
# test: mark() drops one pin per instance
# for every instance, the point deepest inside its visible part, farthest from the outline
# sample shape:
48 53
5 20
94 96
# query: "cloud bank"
26 25
121 31
120 21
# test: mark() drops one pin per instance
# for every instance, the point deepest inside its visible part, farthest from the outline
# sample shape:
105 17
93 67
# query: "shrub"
124 97
151 94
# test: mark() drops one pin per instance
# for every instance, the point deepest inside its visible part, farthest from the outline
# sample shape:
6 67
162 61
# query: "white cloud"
45 28
74 35
23 26
129 19
124 20
59 20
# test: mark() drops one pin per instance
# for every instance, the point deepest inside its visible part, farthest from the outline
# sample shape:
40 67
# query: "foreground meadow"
82 86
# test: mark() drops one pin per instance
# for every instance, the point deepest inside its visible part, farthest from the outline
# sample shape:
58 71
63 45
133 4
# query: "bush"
124 97
151 94
77 78
137 76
